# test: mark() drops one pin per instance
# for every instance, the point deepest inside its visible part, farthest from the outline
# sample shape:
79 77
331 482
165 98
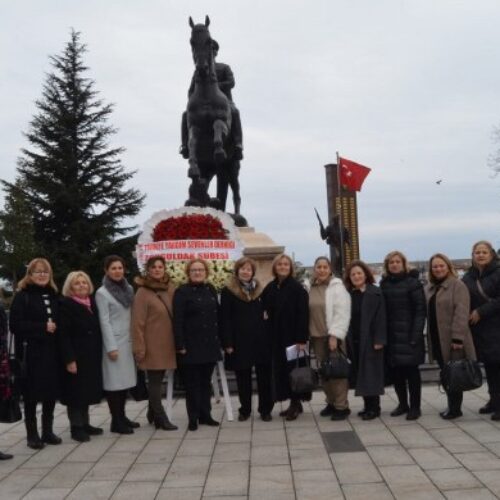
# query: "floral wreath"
193 223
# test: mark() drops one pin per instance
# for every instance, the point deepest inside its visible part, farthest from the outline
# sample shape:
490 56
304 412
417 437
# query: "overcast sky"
410 88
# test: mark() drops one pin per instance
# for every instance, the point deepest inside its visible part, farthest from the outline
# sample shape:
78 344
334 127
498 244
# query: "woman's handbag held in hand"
303 379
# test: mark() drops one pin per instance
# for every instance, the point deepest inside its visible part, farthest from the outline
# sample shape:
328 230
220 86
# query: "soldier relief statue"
211 133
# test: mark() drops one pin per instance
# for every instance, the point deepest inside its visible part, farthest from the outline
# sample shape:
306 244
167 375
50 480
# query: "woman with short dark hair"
483 283
196 331
34 320
114 301
245 339
366 337
287 310
406 311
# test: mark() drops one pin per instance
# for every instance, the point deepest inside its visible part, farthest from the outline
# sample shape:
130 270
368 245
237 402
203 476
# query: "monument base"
262 249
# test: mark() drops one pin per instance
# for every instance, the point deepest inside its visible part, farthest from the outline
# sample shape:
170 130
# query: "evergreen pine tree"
73 181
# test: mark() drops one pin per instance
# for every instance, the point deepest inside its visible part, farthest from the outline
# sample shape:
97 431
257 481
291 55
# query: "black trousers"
116 402
155 380
198 384
47 410
78 415
407 379
264 389
493 377
372 403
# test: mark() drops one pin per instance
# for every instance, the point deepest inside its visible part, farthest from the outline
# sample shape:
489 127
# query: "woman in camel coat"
152 334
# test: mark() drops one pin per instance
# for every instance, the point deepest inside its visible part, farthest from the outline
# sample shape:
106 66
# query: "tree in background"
17 244
73 182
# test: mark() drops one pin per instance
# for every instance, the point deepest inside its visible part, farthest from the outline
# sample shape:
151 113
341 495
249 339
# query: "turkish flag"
352 175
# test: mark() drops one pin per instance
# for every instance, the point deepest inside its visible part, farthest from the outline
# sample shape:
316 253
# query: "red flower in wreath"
190 227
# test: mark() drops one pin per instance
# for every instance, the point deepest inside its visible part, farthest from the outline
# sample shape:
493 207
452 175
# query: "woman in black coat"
196 332
287 310
406 311
34 321
483 282
245 340
81 349
366 337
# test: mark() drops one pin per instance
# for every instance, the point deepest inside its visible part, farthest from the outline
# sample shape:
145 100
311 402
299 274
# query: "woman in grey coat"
114 301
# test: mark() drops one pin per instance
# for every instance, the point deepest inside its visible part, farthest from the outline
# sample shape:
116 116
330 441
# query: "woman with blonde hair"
483 282
448 304
34 320
196 329
287 311
81 348
406 311
153 335
329 316
245 339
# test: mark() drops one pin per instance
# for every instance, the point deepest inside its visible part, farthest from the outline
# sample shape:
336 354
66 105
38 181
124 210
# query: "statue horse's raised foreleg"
221 131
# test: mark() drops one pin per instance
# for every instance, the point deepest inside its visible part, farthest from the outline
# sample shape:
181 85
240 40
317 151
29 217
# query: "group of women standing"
77 348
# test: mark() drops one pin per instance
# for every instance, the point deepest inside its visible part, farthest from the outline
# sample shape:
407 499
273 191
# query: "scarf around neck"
120 290
84 302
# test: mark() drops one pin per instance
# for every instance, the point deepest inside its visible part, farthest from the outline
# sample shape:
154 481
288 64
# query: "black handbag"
338 365
303 379
461 375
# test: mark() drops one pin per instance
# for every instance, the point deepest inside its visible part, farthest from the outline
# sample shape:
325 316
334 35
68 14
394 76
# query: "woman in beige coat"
448 331
152 334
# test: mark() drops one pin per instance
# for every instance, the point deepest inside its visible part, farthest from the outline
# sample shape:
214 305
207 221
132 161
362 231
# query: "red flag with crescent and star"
352 175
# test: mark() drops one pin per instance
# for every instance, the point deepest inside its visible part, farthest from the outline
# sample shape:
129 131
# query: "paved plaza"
310 458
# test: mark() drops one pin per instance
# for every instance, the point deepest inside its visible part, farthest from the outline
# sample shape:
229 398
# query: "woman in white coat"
329 316
114 302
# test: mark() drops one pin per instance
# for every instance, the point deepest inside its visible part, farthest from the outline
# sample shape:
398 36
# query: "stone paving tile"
187 472
231 452
414 436
17 484
355 467
478 461
226 479
180 493
433 458
310 459
235 435
112 466
270 455
316 485
271 482
409 481
373 491
93 490
491 479
389 455
132 491
452 479
66 475
268 438
481 431
47 494
197 447
456 440
159 451
379 435
475 494
91 451
302 439
50 456
147 472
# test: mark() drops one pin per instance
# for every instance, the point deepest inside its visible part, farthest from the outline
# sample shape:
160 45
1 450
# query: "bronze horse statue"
209 116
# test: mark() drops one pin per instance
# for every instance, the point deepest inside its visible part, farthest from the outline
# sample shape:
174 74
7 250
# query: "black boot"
162 422
294 411
495 400
487 408
48 435
33 438
454 406
118 425
123 401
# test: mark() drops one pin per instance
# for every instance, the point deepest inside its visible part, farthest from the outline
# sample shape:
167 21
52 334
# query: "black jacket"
406 311
28 322
196 324
243 327
486 333
81 341
368 363
287 309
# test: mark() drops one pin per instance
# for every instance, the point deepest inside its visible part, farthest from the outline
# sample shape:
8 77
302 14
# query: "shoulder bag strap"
482 292
166 307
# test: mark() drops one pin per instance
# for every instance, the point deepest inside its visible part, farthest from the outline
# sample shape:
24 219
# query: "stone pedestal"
262 249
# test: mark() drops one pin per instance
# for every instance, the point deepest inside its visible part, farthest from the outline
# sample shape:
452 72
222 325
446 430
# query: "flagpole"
341 222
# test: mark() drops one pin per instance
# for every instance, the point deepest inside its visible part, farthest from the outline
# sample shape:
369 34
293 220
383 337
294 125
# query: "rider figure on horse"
225 80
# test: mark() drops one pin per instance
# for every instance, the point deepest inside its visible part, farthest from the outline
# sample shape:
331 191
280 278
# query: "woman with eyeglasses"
34 321
196 331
